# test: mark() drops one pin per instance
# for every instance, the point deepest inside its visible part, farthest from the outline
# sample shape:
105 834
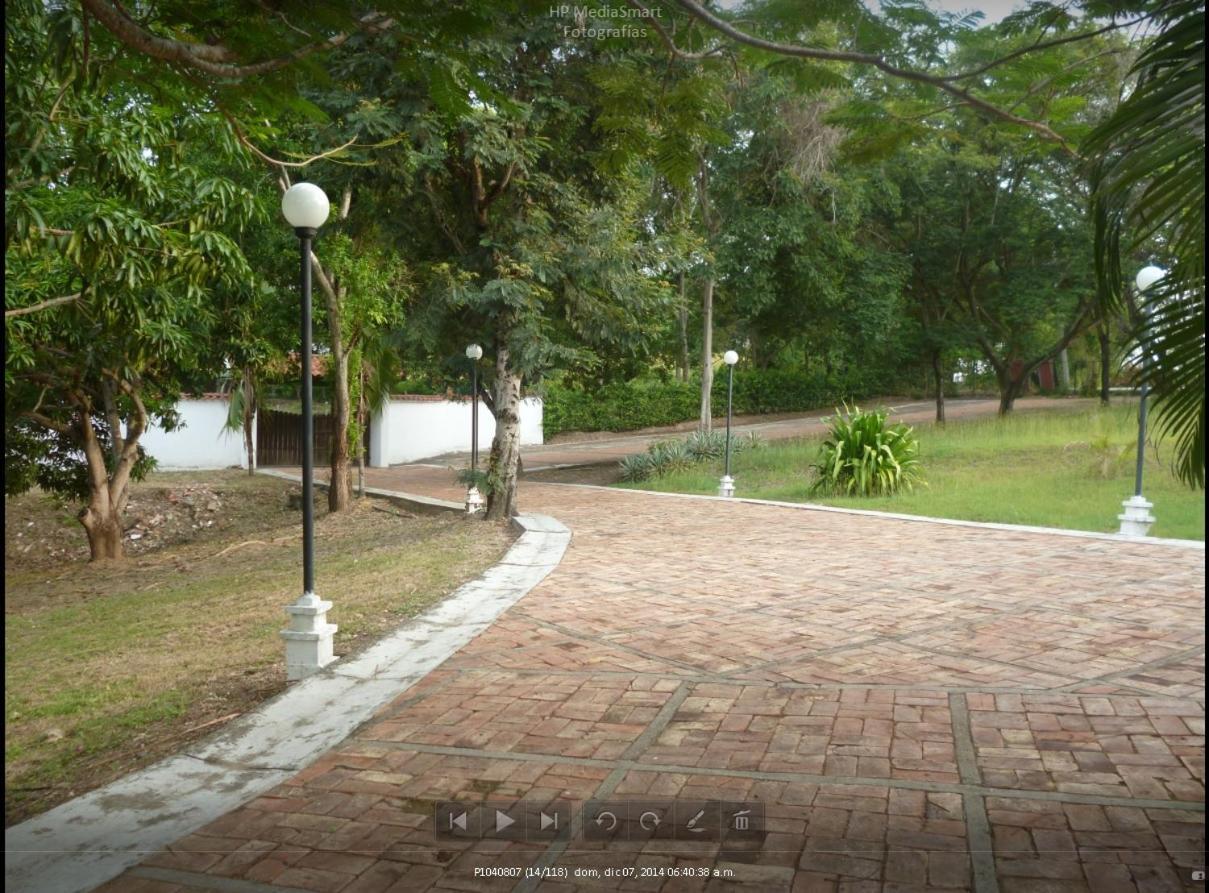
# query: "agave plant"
749 441
636 468
703 445
669 456
865 457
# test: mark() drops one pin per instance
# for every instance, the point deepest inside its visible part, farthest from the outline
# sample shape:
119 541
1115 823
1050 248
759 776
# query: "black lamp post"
726 487
1136 518
309 637
474 499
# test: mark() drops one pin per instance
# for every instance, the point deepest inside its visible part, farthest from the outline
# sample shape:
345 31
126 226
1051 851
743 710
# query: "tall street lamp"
474 499
1136 518
726 487
308 640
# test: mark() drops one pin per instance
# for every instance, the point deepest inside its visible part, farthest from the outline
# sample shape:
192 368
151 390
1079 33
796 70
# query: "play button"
549 821
502 820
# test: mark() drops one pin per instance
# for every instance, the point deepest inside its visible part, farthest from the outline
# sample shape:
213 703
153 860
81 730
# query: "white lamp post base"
726 487
474 501
308 640
1136 519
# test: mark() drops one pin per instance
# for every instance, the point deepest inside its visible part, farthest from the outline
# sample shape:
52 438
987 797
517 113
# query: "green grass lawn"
108 667
1050 469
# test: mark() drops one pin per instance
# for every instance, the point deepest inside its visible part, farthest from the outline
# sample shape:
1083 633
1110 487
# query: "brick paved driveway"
916 707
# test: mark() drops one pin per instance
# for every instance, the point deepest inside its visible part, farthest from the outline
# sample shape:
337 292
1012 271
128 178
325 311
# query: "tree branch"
1044 45
43 305
785 49
247 143
214 60
321 277
650 19
498 189
46 421
440 216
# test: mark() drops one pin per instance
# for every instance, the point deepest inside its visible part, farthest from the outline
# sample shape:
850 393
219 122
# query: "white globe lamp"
305 206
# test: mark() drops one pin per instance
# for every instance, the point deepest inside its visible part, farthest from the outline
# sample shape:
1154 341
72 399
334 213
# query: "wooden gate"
279 438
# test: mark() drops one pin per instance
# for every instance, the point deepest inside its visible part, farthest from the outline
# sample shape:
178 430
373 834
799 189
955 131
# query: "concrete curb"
1196 545
424 504
85 842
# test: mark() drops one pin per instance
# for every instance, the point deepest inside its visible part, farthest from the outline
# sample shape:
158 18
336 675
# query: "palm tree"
1149 196
244 400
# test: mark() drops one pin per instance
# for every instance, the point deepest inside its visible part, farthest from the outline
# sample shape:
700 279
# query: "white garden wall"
409 428
201 442
416 427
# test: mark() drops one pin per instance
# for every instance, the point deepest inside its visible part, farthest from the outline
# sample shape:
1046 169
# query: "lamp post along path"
1136 518
309 637
474 499
726 487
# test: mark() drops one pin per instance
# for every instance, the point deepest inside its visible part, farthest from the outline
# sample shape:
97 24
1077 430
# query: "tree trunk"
362 445
249 419
940 388
339 490
1105 362
504 466
102 517
1064 371
707 353
682 319
1011 388
103 525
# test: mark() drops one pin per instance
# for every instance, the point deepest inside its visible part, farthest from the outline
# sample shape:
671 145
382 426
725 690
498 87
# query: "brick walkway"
916 707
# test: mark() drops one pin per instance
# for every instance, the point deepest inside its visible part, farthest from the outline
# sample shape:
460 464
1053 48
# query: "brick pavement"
917 707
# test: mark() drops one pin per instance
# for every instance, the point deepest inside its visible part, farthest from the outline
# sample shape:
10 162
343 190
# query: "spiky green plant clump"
865 457
637 467
669 456
703 445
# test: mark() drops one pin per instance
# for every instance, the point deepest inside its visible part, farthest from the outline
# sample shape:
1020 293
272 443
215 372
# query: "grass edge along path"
108 669
1061 468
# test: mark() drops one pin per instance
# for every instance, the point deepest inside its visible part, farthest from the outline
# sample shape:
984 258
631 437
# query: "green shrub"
626 406
468 478
865 457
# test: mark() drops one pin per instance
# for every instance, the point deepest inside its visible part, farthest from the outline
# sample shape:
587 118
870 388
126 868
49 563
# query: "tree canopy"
833 189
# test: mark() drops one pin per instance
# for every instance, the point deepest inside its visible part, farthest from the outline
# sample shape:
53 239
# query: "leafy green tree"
114 203
803 251
365 290
533 250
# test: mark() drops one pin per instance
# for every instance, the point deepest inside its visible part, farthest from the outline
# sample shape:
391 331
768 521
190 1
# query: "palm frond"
1148 181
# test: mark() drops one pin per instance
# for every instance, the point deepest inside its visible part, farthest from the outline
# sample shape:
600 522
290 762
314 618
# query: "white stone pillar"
1136 519
308 640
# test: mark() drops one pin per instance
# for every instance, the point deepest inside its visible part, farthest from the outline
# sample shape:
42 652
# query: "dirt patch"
111 666
168 509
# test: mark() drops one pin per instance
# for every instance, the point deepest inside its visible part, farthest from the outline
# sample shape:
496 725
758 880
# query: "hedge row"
624 406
